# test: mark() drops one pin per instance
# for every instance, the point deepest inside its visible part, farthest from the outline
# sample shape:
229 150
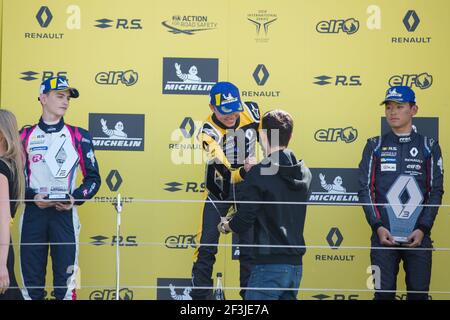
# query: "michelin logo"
336 187
394 94
116 137
116 132
189 75
228 99
331 192
189 81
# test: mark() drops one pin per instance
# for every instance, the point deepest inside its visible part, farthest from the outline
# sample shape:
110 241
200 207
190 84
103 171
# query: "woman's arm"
5 218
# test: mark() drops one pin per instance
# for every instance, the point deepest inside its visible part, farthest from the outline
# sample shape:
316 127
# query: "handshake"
223 227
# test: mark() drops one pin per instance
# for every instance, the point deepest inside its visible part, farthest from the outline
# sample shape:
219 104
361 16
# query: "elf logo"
348 26
422 80
348 135
108 294
128 78
181 241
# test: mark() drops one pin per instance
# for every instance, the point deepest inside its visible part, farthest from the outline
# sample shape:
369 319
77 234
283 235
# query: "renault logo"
405 197
187 127
261 75
114 180
334 238
413 152
411 20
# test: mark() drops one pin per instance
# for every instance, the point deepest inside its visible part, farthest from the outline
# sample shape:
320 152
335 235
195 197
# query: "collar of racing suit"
403 139
50 128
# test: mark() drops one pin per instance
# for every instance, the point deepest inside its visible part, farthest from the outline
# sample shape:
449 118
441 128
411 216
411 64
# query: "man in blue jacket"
394 168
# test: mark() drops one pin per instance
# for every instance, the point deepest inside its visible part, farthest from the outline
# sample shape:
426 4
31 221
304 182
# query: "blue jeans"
274 276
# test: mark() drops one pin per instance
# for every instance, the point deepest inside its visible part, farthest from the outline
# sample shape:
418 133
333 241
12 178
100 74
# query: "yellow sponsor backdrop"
293 53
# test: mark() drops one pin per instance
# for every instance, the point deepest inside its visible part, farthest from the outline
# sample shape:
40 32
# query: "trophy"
406 199
218 179
62 159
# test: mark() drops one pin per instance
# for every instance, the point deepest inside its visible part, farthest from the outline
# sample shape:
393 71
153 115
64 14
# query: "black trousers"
417 266
204 256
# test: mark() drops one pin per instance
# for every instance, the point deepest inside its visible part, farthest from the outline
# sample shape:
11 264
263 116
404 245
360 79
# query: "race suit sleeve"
213 150
435 189
366 194
248 212
89 167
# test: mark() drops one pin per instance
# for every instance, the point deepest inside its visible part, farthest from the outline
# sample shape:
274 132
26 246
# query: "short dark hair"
278 120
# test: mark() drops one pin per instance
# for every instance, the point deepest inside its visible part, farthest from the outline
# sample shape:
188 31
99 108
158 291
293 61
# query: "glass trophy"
62 160
405 198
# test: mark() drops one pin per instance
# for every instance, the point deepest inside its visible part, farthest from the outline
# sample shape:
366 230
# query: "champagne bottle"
218 292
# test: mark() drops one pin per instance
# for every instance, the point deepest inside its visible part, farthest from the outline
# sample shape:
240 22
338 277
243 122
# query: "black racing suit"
404 170
223 143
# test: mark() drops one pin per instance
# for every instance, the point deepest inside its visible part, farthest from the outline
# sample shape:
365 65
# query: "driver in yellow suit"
230 135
